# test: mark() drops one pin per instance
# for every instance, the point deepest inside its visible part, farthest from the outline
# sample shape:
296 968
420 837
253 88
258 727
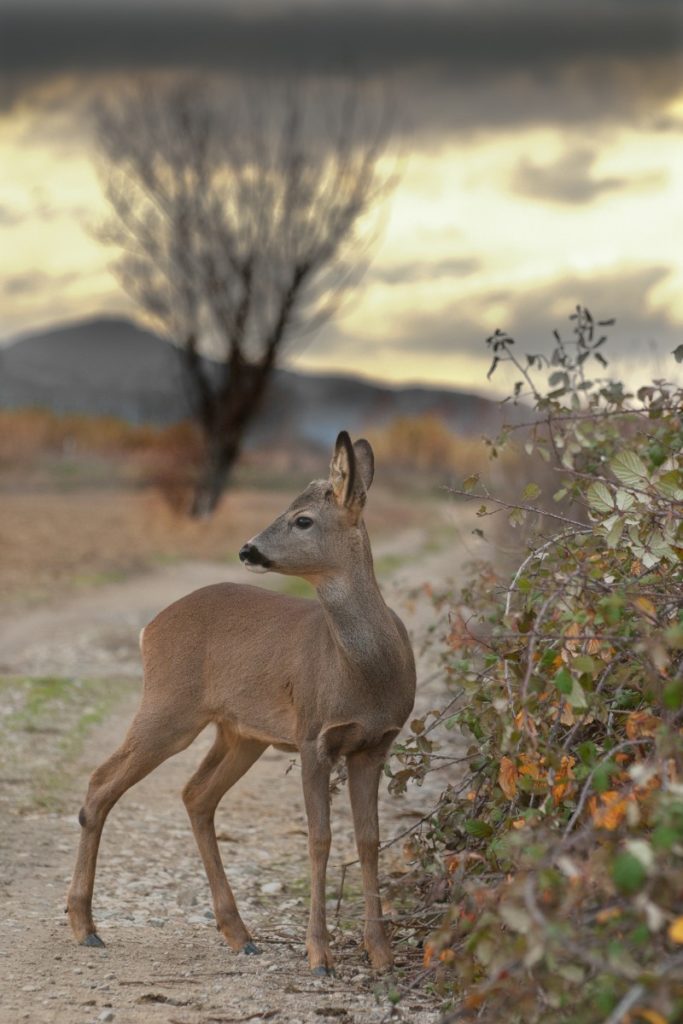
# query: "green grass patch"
44 722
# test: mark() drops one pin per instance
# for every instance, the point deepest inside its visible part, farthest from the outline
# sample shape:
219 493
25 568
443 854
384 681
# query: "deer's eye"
303 522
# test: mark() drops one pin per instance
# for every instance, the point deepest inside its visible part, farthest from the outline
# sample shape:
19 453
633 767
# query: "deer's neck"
359 621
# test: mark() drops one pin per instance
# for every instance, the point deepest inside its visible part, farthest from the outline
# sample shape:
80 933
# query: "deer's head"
322 531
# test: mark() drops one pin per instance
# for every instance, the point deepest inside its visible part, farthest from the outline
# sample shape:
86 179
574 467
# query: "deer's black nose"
250 555
245 552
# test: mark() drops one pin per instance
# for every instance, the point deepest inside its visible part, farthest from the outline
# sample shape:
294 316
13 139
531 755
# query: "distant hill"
113 367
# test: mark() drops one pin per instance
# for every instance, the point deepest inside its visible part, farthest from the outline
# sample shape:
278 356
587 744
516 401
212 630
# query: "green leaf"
530 492
602 776
559 495
576 697
671 484
628 873
517 516
673 695
599 497
624 501
629 469
584 663
470 482
587 751
614 533
678 353
563 680
478 827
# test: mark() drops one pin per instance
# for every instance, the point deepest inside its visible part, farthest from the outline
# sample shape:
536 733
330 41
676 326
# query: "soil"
164 960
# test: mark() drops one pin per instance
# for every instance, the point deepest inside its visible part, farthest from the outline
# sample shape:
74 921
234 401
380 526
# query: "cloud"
535 313
10 217
570 179
409 272
34 281
448 60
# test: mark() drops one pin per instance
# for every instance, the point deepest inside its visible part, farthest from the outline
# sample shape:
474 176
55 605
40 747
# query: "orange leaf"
651 1016
563 777
571 632
529 765
452 863
608 914
429 952
507 777
519 823
567 717
525 723
612 811
676 930
641 723
447 956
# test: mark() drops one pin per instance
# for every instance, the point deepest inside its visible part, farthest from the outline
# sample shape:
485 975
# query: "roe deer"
329 678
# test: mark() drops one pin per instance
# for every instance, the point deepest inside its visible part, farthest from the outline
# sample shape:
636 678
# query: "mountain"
112 367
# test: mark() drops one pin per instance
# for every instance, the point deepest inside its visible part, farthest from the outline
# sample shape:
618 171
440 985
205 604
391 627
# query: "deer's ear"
365 461
343 470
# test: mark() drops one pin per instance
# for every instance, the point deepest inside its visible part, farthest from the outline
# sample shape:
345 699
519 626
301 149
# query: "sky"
539 146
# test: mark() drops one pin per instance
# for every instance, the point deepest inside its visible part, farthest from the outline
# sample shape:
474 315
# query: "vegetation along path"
70 683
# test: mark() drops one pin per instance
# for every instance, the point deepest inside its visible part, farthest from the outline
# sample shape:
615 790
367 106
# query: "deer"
329 678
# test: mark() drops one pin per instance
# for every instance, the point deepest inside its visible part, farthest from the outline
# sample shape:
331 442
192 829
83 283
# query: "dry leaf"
608 914
525 723
563 778
641 723
645 605
529 765
612 811
676 930
507 777
651 1016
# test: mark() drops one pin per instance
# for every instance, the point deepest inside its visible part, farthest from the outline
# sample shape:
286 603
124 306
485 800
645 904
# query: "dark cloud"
570 179
639 330
627 50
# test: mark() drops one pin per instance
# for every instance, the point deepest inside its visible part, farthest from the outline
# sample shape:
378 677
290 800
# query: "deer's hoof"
323 971
251 949
93 940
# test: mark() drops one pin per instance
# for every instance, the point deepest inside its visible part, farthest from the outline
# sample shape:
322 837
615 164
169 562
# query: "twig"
526 508
624 1005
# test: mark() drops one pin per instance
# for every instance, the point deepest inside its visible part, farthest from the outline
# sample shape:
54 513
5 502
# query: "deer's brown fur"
329 678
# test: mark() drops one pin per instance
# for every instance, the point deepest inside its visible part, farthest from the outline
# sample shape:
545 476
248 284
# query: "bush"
558 856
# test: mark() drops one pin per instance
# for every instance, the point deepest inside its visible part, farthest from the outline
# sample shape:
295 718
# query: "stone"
271 888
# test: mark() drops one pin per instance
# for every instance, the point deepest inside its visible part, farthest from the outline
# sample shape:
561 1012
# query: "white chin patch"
255 568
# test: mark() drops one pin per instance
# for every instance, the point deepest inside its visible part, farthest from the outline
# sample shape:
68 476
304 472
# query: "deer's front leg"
316 785
364 774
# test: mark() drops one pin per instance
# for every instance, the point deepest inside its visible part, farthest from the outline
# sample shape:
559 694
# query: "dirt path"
164 960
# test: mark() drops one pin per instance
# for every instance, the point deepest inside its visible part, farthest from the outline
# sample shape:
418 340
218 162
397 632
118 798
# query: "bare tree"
241 217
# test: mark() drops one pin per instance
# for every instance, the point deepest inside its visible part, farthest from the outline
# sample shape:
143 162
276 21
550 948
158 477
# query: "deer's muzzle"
252 558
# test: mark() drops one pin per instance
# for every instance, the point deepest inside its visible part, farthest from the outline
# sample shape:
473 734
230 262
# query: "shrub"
558 855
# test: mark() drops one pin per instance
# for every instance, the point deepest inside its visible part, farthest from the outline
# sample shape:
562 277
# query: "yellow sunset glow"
462 232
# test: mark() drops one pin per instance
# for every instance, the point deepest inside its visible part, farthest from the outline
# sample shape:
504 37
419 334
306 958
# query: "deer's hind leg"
365 769
229 758
153 736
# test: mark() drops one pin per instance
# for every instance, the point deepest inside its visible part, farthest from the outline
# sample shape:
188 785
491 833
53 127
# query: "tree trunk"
224 419
218 466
